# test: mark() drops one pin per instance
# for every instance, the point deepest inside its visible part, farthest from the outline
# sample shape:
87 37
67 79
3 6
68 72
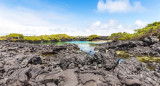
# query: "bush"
150 30
54 37
62 36
3 38
120 36
32 38
14 37
46 38
91 37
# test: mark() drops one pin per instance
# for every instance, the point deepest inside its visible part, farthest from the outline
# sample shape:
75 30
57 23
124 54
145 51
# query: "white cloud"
96 24
116 6
140 23
114 26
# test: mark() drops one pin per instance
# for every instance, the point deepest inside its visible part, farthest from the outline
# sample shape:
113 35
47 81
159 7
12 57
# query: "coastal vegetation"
91 37
21 37
120 36
44 38
150 30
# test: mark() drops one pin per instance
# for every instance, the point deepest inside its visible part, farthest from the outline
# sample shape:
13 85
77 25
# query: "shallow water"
87 46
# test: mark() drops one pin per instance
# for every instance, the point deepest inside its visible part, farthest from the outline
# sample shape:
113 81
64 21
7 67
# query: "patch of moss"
123 54
148 59
47 54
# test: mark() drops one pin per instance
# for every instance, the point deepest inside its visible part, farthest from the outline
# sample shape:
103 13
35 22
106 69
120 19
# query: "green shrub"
3 38
91 37
45 37
32 38
71 37
120 36
62 36
54 37
14 37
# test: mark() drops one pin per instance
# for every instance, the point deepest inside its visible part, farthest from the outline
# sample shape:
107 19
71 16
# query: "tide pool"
87 46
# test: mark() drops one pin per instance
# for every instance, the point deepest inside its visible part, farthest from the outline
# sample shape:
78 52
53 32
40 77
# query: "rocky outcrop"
148 46
23 64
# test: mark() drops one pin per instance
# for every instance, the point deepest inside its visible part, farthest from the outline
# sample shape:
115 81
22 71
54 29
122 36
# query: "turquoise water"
87 46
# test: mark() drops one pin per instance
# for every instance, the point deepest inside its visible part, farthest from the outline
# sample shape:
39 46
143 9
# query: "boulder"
108 59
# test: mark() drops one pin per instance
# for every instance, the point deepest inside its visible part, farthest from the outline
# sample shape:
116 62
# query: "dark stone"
108 59
35 60
150 40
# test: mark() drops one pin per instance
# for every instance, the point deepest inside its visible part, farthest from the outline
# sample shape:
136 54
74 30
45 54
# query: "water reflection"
87 46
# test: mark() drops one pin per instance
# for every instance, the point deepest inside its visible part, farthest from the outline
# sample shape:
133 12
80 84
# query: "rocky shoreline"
23 64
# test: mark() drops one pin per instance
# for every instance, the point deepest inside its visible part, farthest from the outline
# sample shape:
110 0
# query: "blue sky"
76 17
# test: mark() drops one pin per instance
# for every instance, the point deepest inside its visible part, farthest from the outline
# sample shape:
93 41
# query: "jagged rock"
108 59
133 73
24 64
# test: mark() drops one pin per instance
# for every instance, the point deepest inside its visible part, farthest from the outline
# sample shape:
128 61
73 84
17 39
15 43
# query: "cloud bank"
118 6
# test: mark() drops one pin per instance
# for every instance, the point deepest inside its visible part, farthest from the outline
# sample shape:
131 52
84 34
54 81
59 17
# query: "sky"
76 17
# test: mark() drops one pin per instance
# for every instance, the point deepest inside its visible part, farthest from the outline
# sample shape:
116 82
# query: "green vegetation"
32 38
91 37
14 37
150 30
121 36
44 38
3 38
